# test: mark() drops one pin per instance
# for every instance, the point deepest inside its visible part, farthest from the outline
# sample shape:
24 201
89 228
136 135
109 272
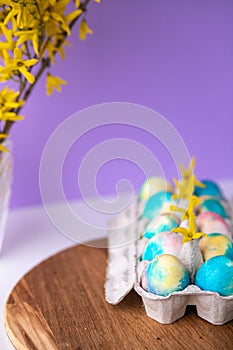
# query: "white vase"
6 165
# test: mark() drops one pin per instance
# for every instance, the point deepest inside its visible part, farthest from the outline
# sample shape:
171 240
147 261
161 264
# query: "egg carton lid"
124 273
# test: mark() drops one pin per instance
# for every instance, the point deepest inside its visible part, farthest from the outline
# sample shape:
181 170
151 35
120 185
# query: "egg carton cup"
124 271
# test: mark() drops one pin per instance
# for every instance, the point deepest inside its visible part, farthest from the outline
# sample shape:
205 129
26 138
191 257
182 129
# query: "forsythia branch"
47 36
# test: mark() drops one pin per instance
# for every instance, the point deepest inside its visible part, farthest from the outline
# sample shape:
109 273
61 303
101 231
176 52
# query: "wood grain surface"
60 304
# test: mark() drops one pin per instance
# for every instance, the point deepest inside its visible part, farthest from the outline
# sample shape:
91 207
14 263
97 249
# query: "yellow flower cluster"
189 233
8 102
32 32
185 189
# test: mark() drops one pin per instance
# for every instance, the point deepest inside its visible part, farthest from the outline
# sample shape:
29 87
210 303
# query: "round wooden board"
60 304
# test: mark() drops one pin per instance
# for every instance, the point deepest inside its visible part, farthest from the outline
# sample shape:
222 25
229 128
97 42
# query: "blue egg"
211 189
164 223
156 203
164 275
214 206
216 275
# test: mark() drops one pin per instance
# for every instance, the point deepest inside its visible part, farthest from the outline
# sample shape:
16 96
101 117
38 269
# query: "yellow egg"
216 244
153 185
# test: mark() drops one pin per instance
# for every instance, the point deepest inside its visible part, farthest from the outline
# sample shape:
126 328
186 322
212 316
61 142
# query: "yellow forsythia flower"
189 233
8 99
17 63
32 35
51 50
84 30
56 17
19 10
52 83
71 16
9 44
3 148
8 102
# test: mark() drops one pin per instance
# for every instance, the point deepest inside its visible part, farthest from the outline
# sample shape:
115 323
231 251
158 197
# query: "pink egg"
209 222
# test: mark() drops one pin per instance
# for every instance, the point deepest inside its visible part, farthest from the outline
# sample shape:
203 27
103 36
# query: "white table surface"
31 238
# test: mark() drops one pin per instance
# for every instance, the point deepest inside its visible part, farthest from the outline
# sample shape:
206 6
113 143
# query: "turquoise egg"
156 203
211 189
216 244
165 274
216 275
153 185
163 243
214 206
164 223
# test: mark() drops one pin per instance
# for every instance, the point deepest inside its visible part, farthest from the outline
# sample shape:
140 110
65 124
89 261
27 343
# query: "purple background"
173 56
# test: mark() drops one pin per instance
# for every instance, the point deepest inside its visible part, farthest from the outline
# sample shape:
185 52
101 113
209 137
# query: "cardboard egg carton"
124 272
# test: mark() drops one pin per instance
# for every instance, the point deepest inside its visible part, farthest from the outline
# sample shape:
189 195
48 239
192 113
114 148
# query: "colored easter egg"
214 206
216 244
211 189
216 275
163 243
154 185
163 223
157 204
208 222
165 274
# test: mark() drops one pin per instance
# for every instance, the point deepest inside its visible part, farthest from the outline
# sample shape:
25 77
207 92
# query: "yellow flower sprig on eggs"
185 189
186 186
31 35
189 233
